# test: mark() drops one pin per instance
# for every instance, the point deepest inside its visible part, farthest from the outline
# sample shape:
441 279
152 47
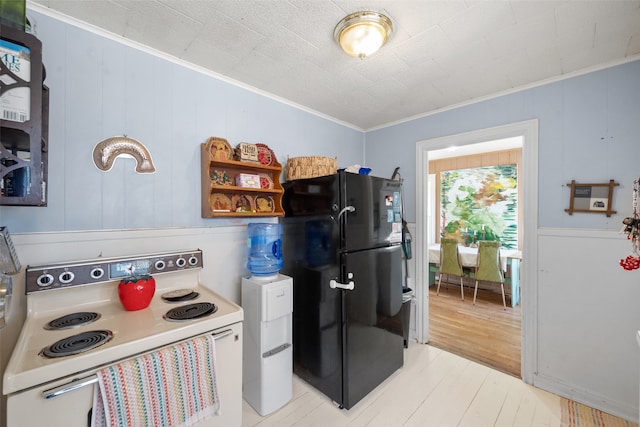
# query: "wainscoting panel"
588 316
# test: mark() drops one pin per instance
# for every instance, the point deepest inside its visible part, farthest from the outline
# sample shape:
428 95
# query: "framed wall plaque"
591 198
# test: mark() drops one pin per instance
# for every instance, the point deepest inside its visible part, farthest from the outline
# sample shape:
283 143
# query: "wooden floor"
484 332
433 388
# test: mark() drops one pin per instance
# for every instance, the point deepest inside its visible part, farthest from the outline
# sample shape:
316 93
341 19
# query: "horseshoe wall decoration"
108 150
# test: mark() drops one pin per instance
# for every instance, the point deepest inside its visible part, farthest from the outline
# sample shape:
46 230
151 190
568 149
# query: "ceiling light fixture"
362 33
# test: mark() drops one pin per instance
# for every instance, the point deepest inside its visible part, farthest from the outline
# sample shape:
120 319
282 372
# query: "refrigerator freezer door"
369 208
376 220
312 196
373 338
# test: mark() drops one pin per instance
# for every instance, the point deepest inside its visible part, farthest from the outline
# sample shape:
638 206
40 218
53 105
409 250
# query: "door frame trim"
528 130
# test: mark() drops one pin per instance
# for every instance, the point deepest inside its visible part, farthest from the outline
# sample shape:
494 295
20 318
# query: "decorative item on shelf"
310 167
220 177
220 202
242 203
108 150
632 230
264 204
13 14
15 100
265 155
220 148
248 180
265 181
246 152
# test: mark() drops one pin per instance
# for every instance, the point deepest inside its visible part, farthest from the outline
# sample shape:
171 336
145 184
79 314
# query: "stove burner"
190 311
77 343
72 320
180 295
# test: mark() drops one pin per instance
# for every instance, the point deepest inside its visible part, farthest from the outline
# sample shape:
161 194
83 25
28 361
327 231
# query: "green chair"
488 266
450 262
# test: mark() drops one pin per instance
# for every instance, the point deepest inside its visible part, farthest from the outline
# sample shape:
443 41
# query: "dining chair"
488 266
450 262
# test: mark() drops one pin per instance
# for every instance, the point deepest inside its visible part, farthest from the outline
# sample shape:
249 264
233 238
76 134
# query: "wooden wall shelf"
221 197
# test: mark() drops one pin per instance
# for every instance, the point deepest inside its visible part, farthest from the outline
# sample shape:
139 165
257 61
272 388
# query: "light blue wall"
582 304
589 131
102 88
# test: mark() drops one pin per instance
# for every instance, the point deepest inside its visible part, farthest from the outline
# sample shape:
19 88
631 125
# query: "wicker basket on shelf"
310 167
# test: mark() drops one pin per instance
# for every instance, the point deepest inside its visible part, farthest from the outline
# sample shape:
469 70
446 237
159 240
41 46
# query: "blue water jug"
265 249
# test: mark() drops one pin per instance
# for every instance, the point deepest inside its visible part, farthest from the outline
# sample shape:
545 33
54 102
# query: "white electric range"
76 325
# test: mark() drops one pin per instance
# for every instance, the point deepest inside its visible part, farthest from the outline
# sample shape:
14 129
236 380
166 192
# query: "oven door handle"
82 382
73 385
222 334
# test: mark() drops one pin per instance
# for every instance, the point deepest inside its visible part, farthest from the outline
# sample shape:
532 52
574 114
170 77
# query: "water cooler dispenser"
267 300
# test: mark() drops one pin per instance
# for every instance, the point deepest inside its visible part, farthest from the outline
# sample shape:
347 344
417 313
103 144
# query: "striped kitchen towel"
174 386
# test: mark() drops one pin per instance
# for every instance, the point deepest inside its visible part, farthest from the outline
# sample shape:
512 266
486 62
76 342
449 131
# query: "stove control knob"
45 280
160 265
97 273
181 262
66 277
193 260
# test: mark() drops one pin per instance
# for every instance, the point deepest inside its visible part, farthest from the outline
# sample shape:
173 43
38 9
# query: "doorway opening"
473 200
528 131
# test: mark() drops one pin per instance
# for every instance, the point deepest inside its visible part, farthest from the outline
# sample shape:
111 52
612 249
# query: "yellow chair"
488 266
450 262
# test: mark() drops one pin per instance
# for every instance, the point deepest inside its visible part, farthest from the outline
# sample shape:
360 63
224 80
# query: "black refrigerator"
341 243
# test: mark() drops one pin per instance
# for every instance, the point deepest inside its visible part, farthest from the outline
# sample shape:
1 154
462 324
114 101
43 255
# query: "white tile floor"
434 388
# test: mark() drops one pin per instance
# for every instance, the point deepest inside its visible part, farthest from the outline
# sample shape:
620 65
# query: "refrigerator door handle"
349 286
346 209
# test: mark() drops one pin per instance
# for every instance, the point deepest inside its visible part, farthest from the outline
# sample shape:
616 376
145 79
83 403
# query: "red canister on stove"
136 292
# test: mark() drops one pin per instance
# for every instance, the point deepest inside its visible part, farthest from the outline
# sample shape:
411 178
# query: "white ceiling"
441 54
